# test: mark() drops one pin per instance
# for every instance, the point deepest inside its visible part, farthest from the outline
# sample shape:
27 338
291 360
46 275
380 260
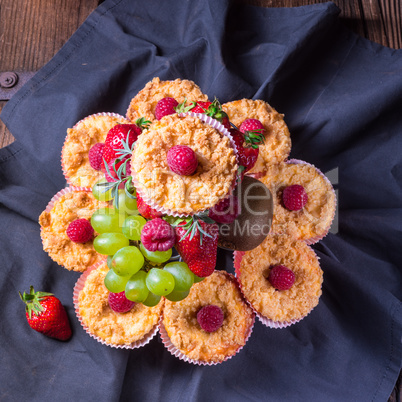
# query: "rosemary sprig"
193 225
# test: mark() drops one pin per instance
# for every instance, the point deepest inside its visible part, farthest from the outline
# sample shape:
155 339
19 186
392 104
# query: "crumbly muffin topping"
114 328
183 194
144 103
284 305
316 216
277 144
79 140
69 207
180 319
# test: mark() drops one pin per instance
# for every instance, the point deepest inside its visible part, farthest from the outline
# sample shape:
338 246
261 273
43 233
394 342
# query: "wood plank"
31 33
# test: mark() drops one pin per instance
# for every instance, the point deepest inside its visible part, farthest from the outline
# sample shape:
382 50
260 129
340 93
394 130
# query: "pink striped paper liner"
180 355
317 238
56 198
237 257
65 191
79 285
75 125
219 127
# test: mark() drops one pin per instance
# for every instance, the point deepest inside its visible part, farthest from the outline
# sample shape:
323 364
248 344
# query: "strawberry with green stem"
212 109
247 148
197 243
117 170
46 314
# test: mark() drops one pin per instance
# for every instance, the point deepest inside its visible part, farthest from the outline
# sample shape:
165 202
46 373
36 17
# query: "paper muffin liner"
317 238
51 204
65 173
237 257
63 192
166 211
79 285
179 354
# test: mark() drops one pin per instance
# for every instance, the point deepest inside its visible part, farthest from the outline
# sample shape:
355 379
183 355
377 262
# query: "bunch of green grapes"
145 276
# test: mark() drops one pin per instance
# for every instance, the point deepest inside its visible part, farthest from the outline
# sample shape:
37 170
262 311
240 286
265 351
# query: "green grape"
198 278
156 256
107 220
132 227
110 243
109 261
127 261
160 282
99 191
115 283
175 295
127 205
136 289
183 277
151 300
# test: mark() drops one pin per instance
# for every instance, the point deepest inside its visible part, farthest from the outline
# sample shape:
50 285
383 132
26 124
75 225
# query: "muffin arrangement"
148 197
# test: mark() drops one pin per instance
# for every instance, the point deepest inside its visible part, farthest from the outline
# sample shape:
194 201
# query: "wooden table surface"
31 32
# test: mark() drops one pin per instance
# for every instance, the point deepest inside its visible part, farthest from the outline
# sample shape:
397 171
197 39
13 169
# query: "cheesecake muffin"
277 143
281 279
68 205
144 103
79 140
178 194
188 337
131 329
286 181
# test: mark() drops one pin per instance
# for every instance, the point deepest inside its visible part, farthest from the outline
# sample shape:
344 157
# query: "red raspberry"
226 210
114 137
80 231
165 107
158 235
252 125
281 277
145 210
210 318
182 160
201 107
119 303
95 156
294 197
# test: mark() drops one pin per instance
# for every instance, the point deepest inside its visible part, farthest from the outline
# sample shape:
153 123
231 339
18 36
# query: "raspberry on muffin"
173 193
304 200
144 103
277 143
211 324
281 279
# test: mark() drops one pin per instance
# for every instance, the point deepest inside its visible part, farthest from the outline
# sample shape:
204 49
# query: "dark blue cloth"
342 100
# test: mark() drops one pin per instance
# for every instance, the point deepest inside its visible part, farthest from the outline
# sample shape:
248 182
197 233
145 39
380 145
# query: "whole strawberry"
197 244
246 147
214 110
145 210
121 132
46 314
